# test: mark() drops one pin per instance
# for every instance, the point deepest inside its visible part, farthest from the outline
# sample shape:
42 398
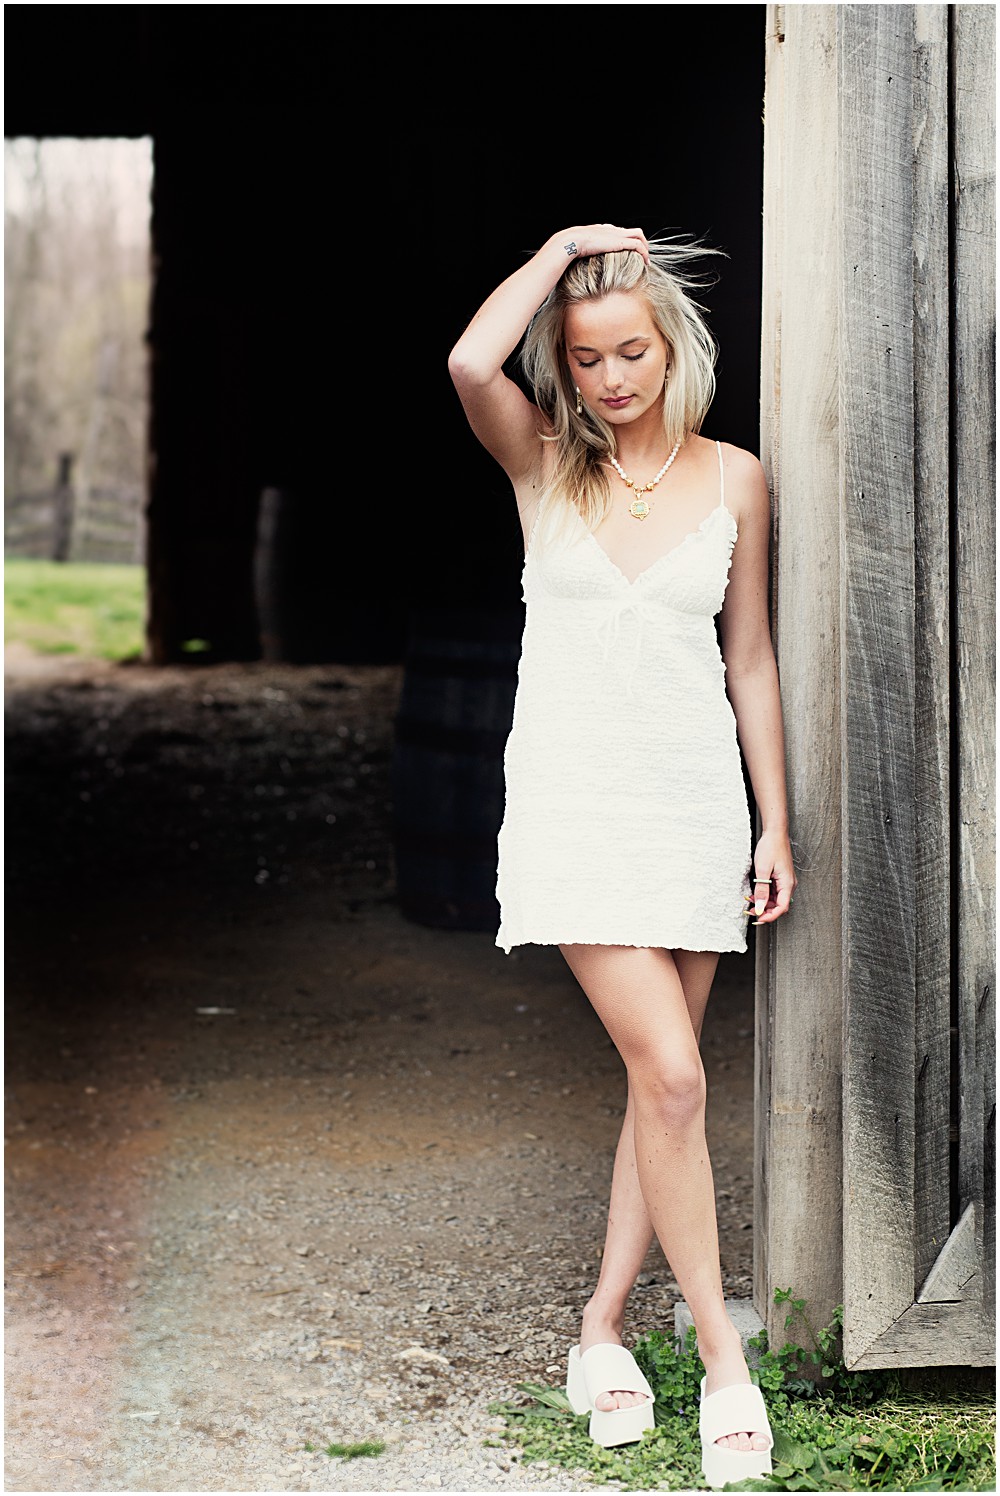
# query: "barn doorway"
76 395
216 991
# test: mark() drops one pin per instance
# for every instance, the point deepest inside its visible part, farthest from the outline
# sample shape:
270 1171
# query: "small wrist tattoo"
570 248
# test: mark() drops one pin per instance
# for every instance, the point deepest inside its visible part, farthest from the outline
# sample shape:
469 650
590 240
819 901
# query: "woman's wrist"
774 826
561 249
569 243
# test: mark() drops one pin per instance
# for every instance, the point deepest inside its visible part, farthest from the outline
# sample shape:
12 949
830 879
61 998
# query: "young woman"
626 837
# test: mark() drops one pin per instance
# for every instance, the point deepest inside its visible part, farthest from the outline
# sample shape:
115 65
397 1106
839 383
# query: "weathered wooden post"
274 583
62 509
876 998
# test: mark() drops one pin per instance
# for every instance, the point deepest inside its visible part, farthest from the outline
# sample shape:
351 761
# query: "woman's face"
617 356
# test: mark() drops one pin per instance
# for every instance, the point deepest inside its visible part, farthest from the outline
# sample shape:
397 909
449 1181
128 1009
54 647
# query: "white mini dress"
626 819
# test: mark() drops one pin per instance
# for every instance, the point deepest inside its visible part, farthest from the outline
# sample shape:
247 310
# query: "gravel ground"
285 1168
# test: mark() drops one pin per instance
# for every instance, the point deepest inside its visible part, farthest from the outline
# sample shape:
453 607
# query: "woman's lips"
619 403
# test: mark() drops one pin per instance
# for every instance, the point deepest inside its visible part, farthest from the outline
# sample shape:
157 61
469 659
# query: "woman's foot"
603 1328
725 1366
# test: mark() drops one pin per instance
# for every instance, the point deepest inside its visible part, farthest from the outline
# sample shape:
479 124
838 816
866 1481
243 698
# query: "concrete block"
743 1315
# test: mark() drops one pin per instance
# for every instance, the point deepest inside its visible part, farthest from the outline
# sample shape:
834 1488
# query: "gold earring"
579 402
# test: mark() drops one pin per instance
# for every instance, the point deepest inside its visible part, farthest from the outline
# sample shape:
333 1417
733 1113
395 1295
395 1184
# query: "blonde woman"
626 838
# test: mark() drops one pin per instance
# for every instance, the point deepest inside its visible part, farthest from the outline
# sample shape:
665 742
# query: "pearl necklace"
639 508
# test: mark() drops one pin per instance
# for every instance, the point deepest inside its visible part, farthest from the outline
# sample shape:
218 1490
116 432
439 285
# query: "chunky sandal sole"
609 1368
733 1410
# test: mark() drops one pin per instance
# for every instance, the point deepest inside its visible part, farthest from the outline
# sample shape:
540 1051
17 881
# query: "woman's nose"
614 376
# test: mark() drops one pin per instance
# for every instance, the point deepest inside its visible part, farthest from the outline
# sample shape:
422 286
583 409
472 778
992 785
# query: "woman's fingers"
772 895
604 238
761 892
773 868
782 890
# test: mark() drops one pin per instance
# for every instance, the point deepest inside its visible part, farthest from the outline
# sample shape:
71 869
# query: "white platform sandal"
733 1410
609 1368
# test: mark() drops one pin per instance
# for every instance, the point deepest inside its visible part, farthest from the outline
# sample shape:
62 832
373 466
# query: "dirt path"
283 1167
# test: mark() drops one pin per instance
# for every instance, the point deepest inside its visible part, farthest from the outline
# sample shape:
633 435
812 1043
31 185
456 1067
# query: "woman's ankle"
603 1318
720 1340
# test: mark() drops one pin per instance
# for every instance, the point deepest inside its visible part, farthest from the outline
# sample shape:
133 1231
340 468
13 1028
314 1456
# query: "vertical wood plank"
799 1019
974 385
770 456
931 852
875 49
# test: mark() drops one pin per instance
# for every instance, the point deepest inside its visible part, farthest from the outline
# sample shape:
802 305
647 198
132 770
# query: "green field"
75 608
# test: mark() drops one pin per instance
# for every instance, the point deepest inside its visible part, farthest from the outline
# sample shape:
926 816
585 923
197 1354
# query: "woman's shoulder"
738 460
744 471
741 462
746 487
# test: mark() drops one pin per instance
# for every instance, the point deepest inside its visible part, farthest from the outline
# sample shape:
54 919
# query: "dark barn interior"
250 889
336 190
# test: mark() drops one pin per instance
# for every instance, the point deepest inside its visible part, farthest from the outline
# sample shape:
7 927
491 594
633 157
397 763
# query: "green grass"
77 608
368 1449
833 1431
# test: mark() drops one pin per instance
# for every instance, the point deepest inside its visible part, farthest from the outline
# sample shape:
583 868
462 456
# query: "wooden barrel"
455 711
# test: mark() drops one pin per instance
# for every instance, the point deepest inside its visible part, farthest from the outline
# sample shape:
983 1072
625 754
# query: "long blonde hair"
576 478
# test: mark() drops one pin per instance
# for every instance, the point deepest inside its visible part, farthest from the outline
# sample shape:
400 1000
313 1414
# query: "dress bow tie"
608 626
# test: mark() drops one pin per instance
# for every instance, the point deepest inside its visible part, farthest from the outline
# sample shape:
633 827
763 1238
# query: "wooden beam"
973 109
932 1335
932 640
875 97
798 965
957 1265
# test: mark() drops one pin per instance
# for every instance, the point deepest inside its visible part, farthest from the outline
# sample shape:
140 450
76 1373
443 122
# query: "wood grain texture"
932 1335
952 1279
877 664
974 385
877 436
932 638
799 1018
770 455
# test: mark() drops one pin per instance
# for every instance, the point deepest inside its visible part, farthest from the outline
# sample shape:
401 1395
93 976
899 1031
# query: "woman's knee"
670 1085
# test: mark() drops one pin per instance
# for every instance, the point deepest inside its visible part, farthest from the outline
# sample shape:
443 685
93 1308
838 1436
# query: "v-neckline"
691 535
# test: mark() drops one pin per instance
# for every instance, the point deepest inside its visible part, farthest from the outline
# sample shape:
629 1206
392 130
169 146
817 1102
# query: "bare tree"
76 298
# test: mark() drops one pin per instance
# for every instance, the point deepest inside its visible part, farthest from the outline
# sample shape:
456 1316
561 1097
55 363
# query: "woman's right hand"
599 239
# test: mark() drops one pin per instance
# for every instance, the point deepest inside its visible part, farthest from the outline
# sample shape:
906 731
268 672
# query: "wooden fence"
102 523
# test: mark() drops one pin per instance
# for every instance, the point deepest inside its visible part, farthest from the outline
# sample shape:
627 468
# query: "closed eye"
633 358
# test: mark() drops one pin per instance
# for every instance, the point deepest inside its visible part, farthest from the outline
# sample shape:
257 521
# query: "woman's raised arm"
503 419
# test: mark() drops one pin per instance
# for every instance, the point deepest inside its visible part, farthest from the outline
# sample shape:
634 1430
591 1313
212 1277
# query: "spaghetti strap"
722 478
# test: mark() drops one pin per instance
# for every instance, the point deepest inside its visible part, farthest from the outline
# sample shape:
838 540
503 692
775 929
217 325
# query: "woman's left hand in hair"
772 859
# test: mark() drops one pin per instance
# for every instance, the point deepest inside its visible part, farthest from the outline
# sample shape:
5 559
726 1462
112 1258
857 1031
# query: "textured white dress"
626 819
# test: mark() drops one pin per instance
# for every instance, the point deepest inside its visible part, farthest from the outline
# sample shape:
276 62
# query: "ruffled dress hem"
506 942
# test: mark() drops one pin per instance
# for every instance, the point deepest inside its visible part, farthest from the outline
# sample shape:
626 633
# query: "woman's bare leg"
640 998
630 1230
